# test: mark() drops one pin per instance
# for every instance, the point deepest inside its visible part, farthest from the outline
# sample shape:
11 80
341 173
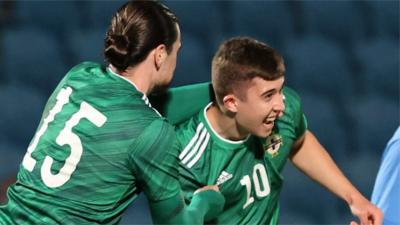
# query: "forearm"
313 160
204 206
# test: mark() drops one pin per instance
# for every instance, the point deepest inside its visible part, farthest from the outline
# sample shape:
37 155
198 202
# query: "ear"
230 102
160 54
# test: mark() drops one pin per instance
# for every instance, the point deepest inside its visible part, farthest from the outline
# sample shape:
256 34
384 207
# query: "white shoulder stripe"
147 102
192 141
200 153
196 147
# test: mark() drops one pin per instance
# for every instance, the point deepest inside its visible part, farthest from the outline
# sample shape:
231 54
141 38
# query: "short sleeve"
301 125
154 159
294 116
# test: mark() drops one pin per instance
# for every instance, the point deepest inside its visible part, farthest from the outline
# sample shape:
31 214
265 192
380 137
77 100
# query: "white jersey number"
259 174
65 137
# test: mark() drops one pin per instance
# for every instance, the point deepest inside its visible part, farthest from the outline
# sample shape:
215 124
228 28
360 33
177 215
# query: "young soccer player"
100 143
242 139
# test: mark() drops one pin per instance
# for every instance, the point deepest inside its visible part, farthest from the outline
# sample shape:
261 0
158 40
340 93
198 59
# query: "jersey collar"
217 137
144 96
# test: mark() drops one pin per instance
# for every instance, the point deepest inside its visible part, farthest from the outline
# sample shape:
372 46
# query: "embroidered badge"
272 144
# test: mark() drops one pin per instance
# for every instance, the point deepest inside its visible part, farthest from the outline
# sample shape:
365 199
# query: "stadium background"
341 56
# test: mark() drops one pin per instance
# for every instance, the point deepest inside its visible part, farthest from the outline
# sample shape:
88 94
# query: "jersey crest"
272 144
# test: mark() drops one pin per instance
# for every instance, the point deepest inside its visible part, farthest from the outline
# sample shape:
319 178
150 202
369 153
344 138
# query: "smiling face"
261 105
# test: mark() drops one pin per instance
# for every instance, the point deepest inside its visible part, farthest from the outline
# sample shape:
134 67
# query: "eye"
268 96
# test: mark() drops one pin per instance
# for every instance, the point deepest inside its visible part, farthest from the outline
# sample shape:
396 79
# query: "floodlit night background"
342 57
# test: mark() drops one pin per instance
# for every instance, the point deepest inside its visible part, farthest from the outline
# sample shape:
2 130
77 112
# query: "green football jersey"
248 172
98 145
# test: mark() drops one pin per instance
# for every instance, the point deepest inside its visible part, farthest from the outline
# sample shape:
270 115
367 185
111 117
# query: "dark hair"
136 29
241 59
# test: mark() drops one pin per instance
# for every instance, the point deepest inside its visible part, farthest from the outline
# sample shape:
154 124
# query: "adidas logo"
224 177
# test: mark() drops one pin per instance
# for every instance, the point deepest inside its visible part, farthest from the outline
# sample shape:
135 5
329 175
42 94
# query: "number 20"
258 169
65 137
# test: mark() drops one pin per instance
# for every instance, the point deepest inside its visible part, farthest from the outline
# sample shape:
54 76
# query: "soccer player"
243 138
386 194
100 143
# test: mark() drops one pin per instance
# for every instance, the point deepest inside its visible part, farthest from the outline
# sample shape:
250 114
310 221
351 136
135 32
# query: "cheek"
173 65
260 108
250 116
260 112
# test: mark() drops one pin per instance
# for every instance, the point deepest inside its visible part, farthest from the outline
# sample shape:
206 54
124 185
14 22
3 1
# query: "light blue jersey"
386 194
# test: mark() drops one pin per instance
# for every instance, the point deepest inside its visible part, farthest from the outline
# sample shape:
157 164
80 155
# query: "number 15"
65 137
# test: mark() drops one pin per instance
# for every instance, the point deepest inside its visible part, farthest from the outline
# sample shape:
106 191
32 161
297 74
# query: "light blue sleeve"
386 193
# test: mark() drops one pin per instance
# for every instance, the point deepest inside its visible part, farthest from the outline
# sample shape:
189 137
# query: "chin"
263 134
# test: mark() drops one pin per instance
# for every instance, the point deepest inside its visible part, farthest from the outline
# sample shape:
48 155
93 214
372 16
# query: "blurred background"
342 57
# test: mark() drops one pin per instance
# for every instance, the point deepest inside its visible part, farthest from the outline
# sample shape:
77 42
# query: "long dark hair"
136 29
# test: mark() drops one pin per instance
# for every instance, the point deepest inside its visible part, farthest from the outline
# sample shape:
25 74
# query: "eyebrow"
270 91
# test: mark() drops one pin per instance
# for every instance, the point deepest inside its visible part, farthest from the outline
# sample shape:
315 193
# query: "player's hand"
209 187
367 213
215 201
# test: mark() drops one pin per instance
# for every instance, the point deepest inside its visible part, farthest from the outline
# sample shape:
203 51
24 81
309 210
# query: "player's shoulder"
291 95
157 126
146 118
292 99
187 129
293 108
392 150
85 76
147 132
85 67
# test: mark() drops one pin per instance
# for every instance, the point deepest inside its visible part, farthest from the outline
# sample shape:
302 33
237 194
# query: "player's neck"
139 76
224 124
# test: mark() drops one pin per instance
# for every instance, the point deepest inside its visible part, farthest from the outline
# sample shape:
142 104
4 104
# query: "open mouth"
269 121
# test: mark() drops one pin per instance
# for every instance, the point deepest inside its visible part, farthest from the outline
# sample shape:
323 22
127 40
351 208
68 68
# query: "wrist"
352 196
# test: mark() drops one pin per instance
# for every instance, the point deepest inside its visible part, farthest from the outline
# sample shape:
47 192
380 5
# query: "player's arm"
181 103
310 157
155 164
206 204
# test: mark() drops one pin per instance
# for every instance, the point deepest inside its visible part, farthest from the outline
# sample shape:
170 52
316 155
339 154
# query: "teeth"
269 120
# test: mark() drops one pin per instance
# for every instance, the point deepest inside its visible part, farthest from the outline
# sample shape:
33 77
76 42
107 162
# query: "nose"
279 104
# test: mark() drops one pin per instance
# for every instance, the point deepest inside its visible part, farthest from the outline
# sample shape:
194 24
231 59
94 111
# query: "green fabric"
181 103
205 205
